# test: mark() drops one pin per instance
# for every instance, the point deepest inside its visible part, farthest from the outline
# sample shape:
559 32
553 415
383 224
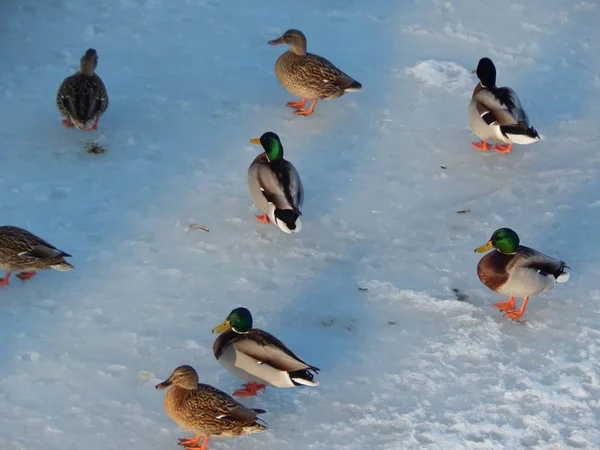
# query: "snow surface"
407 363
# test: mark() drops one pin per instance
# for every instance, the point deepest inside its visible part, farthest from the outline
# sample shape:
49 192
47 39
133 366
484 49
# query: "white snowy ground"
405 364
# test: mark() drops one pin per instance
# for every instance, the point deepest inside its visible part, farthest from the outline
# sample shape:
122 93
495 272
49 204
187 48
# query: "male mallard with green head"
257 356
206 411
496 113
309 76
82 97
24 252
275 185
514 270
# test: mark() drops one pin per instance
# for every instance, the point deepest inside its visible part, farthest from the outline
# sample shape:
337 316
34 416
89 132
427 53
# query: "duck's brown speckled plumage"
204 410
21 250
82 98
310 76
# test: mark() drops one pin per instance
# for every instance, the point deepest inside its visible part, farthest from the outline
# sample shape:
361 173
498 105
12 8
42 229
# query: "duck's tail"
348 84
561 274
304 377
288 220
520 135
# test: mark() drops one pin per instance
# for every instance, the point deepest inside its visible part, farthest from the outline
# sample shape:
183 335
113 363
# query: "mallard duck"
275 185
514 270
24 252
82 97
206 411
309 76
257 356
496 113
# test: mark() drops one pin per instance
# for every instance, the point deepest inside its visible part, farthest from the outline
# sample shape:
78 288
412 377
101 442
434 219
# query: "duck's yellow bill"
255 141
485 247
224 326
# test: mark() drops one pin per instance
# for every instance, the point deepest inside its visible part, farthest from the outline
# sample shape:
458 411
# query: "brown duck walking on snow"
309 76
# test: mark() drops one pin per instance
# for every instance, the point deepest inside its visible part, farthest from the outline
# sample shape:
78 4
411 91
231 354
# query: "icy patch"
442 74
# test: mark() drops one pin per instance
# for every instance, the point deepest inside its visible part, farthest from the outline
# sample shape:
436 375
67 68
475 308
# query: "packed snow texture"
379 289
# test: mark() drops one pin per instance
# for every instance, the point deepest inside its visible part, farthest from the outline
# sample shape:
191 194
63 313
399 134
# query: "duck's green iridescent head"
504 240
272 145
239 320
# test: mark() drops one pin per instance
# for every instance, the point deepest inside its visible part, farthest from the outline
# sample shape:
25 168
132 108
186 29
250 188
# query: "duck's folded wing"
280 185
492 110
545 265
222 406
267 349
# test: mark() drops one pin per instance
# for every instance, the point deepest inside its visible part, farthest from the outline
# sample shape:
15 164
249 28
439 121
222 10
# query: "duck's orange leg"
4 281
250 391
483 145
306 112
26 275
204 445
506 306
503 148
190 442
263 219
514 315
297 104
67 123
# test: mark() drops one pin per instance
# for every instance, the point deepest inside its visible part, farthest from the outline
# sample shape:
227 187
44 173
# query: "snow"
417 357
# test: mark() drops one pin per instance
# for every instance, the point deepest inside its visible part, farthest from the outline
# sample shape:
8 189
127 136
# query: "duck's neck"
298 48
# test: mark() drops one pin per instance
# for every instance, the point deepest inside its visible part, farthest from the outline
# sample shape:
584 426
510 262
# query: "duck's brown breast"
492 269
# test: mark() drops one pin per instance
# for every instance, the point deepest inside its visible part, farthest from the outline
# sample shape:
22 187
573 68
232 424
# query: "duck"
496 113
24 252
258 357
309 76
517 271
205 410
82 98
275 186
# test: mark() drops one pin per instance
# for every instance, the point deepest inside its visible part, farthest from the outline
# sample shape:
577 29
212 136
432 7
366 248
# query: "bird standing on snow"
205 411
309 76
257 356
24 252
82 97
496 113
517 271
275 185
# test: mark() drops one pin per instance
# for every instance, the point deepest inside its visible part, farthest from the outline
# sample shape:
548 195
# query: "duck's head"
239 320
89 62
272 145
486 72
184 376
295 39
504 240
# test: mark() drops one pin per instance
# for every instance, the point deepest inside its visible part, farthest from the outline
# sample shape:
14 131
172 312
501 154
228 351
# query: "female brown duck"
309 76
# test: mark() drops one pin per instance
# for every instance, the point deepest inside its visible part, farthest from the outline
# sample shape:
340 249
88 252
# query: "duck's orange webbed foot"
298 105
26 275
506 306
483 145
250 391
204 445
503 148
306 112
4 280
263 219
514 315
190 442
67 123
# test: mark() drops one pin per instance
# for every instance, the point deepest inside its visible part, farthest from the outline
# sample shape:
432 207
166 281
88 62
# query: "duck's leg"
514 315
483 145
306 112
204 445
506 306
67 123
4 281
297 104
190 442
263 219
26 275
503 148
250 391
